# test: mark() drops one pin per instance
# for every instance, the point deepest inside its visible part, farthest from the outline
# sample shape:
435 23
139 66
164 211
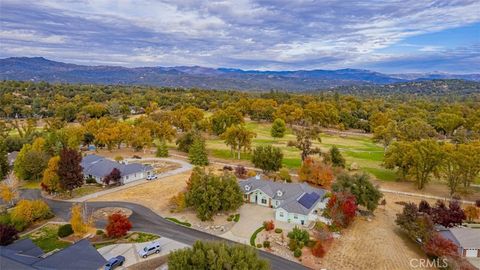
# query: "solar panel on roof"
308 199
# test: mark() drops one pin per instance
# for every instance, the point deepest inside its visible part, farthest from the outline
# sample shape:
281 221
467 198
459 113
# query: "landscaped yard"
47 239
81 191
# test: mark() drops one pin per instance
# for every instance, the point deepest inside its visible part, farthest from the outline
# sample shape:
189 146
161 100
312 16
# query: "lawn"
82 191
356 149
46 238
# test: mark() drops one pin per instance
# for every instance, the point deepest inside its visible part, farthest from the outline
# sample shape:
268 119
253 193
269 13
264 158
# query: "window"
280 214
264 200
295 216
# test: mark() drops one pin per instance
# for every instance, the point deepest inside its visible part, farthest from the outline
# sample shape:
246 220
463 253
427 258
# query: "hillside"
41 69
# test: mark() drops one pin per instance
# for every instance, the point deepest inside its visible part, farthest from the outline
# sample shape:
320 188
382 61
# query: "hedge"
65 230
254 236
186 224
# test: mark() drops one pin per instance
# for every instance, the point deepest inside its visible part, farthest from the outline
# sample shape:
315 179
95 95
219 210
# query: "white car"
152 177
150 249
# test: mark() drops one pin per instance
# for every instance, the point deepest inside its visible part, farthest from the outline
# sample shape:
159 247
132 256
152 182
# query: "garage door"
471 253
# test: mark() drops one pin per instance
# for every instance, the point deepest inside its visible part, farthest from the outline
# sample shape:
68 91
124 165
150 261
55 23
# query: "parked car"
114 263
150 249
152 177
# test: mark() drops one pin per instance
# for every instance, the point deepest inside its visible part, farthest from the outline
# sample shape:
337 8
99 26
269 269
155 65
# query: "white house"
467 240
293 202
98 167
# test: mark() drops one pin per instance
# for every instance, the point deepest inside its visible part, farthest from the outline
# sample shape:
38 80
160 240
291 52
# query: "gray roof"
11 157
466 238
289 193
99 166
25 255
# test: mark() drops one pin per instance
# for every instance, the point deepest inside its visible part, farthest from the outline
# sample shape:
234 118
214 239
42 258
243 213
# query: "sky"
391 36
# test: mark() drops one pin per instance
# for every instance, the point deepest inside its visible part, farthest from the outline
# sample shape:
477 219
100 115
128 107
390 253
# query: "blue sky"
383 35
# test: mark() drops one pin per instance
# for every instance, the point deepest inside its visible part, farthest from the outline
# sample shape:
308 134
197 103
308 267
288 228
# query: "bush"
229 219
118 158
184 223
268 225
8 234
318 250
259 245
251 173
278 230
100 232
266 244
284 174
65 230
236 218
118 225
240 172
26 212
90 180
297 253
254 236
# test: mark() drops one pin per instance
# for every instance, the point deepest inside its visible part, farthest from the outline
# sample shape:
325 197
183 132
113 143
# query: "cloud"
260 34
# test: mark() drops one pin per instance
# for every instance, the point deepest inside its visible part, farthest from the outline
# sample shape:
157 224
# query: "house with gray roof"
25 255
97 167
297 203
467 240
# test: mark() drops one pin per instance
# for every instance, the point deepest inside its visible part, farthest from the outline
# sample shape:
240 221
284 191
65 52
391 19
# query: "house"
467 240
97 167
25 255
293 202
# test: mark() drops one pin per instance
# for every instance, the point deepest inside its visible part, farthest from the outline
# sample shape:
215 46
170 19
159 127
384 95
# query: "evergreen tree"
278 128
336 157
162 149
267 158
4 166
197 153
69 169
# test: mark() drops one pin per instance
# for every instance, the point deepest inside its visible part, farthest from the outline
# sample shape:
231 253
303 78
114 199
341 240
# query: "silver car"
150 249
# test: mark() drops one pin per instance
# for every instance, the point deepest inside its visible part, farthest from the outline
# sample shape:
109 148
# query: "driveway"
252 217
130 251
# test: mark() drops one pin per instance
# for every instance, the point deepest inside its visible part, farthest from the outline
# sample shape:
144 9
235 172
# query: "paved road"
144 219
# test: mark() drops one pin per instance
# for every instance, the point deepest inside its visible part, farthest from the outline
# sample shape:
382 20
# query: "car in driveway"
152 177
114 263
150 249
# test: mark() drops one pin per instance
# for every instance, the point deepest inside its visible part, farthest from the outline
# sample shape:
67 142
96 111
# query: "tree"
209 193
304 141
28 211
118 225
162 149
284 174
315 172
223 119
336 157
472 212
278 128
185 141
79 225
359 185
417 226
438 246
298 238
197 154
424 207
4 166
8 234
448 217
426 156
51 181
469 162
385 134
269 225
414 129
451 167
267 158
238 138
31 161
341 208
7 193
397 157
216 255
69 169
318 250
240 172
447 123
113 177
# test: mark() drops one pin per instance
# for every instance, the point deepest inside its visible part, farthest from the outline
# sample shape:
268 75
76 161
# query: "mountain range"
41 69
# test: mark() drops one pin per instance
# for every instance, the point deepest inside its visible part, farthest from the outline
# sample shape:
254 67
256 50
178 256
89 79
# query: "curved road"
144 219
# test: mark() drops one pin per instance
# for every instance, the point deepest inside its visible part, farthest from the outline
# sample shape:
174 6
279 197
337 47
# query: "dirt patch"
103 213
149 264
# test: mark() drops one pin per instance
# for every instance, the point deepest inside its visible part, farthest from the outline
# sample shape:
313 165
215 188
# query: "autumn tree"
361 187
318 250
197 154
69 169
7 192
426 156
448 217
417 226
267 158
385 134
447 123
304 141
118 225
8 234
414 129
438 246
113 177
28 211
239 138
278 128
51 181
315 172
472 212
77 220
223 119
341 208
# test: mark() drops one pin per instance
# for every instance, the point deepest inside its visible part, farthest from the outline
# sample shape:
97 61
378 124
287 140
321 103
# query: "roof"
81 255
466 238
289 194
25 255
100 167
11 157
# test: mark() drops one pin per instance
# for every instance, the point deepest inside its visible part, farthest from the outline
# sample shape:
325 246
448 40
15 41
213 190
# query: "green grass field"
359 149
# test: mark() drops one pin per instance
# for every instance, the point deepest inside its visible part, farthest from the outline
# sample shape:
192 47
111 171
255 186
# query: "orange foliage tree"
316 172
118 225
318 250
268 225
471 212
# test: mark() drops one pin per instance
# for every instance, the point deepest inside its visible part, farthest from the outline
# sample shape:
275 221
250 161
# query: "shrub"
227 168
284 174
278 230
100 232
292 245
266 244
90 180
118 225
251 173
229 219
8 234
299 235
65 230
259 245
236 218
318 250
297 253
184 223
311 243
26 212
240 172
269 225
477 203
118 158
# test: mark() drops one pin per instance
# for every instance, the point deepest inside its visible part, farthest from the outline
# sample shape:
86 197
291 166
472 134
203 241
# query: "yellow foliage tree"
472 212
7 193
178 202
79 225
51 181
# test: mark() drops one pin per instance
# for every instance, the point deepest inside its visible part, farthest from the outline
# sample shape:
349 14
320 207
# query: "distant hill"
41 69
